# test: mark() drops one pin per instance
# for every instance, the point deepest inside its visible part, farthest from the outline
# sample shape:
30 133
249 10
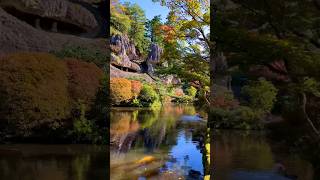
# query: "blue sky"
151 9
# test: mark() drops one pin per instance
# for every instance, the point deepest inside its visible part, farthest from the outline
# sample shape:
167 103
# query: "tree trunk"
306 117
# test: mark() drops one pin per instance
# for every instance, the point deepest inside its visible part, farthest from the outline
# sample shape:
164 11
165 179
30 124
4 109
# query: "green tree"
260 32
137 28
186 41
262 95
119 21
153 30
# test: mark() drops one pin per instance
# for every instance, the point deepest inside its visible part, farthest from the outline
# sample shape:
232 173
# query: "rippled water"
157 144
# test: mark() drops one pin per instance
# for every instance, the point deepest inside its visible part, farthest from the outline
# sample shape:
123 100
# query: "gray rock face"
50 25
153 57
123 52
60 10
76 17
115 72
17 35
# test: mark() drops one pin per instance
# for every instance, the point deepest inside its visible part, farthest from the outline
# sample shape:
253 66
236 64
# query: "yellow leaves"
189 25
206 17
194 6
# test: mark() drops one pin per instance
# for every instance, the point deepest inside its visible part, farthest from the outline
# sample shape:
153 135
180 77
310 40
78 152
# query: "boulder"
171 79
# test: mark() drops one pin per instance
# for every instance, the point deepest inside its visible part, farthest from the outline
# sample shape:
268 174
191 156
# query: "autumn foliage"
120 90
84 80
39 91
136 87
33 91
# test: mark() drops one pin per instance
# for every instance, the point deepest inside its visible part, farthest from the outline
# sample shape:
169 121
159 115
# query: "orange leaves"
84 80
166 28
120 90
136 87
124 90
169 32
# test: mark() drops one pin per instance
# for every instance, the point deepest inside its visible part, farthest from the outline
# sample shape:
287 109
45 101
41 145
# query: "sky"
151 9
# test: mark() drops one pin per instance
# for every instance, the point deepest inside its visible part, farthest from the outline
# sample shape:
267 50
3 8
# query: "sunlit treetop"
188 21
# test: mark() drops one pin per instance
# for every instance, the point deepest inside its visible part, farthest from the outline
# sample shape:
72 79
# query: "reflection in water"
148 144
240 155
52 162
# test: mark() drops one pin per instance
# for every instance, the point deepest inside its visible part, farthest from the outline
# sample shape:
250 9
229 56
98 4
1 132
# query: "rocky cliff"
125 61
43 25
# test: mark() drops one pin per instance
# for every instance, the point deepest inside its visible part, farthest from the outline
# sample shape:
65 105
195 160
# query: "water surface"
250 155
53 162
157 144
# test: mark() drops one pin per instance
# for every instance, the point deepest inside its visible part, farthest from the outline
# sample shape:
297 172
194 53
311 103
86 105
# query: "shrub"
225 101
84 81
120 90
136 87
100 111
261 94
33 91
192 91
95 56
242 117
148 96
82 127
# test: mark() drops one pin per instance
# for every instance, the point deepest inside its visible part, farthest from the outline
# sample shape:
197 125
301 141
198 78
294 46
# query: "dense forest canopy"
281 40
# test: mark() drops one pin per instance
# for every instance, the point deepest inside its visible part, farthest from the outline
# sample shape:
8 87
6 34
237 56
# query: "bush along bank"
138 93
258 101
48 99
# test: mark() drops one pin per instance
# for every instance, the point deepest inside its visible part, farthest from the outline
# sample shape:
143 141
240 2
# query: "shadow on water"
160 144
52 162
253 155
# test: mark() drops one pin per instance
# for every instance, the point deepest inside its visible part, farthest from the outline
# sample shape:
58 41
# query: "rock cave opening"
124 68
46 24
